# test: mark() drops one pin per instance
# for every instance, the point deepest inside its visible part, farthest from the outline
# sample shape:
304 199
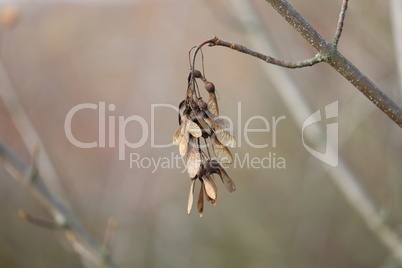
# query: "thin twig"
396 19
46 187
192 66
339 26
343 177
40 222
287 64
332 56
62 215
110 234
27 131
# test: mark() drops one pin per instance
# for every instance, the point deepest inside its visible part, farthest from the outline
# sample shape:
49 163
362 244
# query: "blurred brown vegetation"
134 54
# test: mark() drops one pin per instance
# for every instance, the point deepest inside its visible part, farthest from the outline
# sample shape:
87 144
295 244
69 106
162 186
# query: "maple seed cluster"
199 121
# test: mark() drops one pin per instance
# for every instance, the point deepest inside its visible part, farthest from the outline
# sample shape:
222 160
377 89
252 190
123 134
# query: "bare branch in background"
45 187
332 56
63 218
343 177
40 222
327 52
27 131
110 233
396 19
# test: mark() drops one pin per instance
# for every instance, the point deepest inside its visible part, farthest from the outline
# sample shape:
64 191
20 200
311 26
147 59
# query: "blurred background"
134 54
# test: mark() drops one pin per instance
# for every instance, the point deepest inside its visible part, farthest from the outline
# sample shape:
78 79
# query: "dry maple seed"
210 87
199 123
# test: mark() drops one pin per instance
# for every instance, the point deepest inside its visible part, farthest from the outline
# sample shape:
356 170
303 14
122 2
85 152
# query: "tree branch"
327 52
332 56
347 182
63 217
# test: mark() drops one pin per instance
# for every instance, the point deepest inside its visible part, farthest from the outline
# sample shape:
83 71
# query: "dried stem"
192 65
287 64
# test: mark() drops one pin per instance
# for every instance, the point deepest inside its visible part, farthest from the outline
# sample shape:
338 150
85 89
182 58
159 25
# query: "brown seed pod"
197 74
200 119
210 87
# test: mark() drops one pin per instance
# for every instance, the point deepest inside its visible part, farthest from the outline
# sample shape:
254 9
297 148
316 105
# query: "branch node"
213 41
110 234
320 57
40 222
81 249
33 171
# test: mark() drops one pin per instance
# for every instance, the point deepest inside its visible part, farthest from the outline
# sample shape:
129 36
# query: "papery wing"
212 201
222 135
204 126
225 137
189 91
183 145
193 161
182 108
210 115
216 121
190 197
223 123
178 135
210 187
194 129
221 152
227 181
213 104
200 203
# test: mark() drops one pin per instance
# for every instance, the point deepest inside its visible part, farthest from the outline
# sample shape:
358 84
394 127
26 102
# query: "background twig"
63 216
338 61
342 176
396 19
45 187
